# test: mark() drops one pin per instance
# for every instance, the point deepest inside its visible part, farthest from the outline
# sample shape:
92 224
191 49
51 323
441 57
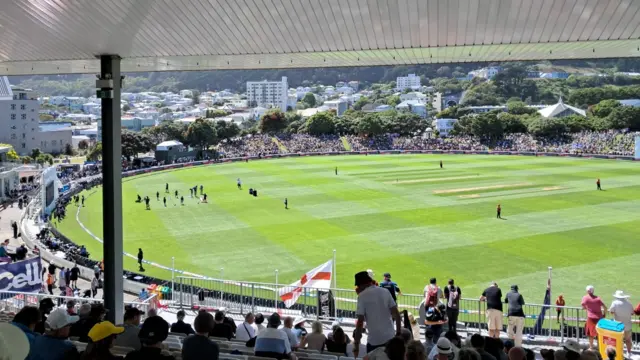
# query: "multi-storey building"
410 81
268 93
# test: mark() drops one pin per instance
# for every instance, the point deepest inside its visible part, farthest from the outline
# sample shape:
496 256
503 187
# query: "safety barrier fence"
13 301
241 297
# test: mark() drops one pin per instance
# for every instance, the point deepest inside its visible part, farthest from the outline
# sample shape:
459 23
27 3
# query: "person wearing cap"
129 337
594 306
154 331
444 348
101 340
81 328
454 344
53 345
272 342
391 286
515 302
375 306
622 311
200 346
14 344
26 320
180 327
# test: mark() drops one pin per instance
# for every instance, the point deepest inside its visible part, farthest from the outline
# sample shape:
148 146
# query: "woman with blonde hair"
316 339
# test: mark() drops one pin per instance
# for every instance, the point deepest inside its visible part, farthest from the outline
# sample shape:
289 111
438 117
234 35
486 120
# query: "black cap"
98 309
274 320
154 330
362 278
387 275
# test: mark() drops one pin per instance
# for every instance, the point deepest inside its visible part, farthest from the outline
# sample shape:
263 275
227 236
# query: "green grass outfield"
395 213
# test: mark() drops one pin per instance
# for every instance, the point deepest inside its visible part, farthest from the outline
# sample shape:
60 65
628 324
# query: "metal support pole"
253 298
221 285
181 292
275 303
550 302
191 289
112 191
173 266
241 299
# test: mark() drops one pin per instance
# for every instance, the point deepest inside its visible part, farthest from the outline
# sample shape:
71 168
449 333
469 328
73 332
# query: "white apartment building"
19 117
268 93
410 81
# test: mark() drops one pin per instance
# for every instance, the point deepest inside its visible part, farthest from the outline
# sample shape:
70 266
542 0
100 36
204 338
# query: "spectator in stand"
622 311
515 301
71 307
131 325
432 296
444 349
53 345
144 295
246 331
376 307
454 343
46 306
391 286
258 321
468 354
95 284
14 344
594 306
200 346
560 355
517 353
394 349
272 342
101 340
493 296
293 339
82 327
180 326
4 254
415 351
154 331
452 294
611 353
548 354
26 320
337 342
572 349
477 342
316 339
495 347
428 340
220 328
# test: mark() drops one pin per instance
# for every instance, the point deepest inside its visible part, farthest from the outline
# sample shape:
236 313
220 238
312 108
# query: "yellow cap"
103 330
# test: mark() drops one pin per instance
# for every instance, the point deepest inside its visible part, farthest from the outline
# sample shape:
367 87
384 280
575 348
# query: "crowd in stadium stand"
606 143
76 329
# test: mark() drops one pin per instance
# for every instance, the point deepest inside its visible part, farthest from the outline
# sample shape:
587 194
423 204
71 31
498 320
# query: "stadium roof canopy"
53 36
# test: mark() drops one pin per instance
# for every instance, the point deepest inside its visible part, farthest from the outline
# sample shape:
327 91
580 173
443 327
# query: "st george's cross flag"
317 278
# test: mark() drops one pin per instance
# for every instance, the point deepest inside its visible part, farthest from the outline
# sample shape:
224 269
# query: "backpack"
432 297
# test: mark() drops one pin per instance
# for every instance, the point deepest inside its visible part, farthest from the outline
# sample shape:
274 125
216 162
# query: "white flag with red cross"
317 278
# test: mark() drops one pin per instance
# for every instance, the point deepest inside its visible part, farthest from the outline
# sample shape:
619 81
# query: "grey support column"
112 191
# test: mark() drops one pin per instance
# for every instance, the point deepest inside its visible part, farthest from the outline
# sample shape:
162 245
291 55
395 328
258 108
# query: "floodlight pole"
109 84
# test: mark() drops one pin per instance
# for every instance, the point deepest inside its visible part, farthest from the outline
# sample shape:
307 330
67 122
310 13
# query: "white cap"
370 272
14 344
59 318
589 288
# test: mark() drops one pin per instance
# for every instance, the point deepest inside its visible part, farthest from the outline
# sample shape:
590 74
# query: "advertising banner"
23 276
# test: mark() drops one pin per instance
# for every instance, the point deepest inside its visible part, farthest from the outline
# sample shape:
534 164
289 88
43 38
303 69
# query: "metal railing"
13 301
241 297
